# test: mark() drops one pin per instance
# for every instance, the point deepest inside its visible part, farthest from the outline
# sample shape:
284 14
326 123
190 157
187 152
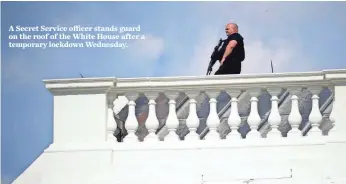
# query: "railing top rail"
79 80
233 80
211 77
226 82
324 78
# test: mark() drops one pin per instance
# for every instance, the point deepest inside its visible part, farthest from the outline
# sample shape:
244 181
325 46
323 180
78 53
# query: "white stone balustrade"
252 85
268 128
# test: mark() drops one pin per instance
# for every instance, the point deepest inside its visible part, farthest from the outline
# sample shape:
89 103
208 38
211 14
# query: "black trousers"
229 67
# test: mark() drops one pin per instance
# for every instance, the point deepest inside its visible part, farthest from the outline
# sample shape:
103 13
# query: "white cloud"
140 58
199 61
285 52
147 50
258 56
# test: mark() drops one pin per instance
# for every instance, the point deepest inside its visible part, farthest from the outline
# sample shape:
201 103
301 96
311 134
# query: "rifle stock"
214 57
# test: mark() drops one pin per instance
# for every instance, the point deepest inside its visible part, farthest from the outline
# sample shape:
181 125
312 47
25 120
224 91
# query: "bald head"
233 25
231 28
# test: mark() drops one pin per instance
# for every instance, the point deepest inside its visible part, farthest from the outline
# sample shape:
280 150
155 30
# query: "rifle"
214 57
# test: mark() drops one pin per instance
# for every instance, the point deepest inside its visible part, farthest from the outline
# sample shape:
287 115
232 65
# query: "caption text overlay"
76 36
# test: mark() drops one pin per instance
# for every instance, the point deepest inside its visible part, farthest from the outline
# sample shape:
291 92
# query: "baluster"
274 118
234 118
213 120
152 123
315 117
192 121
332 113
111 124
131 123
294 118
172 122
332 120
254 119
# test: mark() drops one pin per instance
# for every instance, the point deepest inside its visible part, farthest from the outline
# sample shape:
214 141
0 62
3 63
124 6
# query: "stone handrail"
233 85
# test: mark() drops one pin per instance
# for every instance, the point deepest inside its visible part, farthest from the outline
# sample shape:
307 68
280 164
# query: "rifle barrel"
212 57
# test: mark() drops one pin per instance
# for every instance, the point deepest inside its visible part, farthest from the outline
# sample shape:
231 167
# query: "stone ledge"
79 86
193 145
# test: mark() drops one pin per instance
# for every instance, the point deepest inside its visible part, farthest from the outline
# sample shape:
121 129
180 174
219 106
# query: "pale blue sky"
297 36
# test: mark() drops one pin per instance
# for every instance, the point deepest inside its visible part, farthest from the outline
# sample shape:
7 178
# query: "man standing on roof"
232 51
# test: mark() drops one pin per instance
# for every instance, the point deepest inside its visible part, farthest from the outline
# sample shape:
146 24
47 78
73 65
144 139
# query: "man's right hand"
221 62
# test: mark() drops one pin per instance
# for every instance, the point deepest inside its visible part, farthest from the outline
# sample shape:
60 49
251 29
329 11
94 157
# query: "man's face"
229 29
